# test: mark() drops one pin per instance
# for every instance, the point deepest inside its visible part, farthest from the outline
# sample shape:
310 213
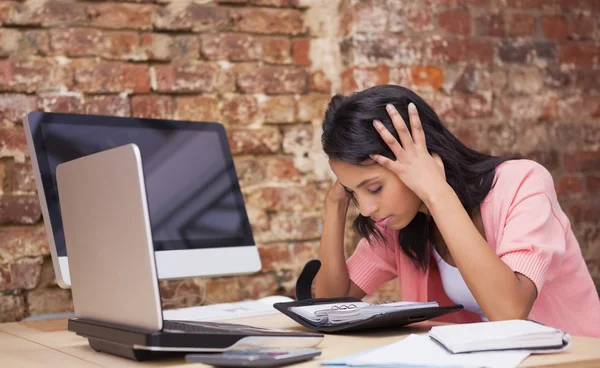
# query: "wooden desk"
39 343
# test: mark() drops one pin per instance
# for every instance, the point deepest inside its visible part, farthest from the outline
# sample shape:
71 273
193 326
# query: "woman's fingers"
388 138
384 161
418 135
400 126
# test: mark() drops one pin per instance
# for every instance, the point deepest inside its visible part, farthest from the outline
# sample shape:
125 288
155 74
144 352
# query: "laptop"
114 279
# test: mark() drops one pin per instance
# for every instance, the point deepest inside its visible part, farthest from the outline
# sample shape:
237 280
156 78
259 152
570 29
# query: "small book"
339 313
500 335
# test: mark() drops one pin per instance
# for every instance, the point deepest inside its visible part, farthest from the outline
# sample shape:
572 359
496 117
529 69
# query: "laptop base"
137 344
125 351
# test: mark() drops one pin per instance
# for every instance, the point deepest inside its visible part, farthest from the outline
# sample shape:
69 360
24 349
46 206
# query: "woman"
453 225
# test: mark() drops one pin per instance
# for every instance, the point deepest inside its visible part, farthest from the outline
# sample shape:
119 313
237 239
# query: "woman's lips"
383 222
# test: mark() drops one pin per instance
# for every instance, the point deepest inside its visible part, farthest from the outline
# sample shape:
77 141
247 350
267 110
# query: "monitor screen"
194 198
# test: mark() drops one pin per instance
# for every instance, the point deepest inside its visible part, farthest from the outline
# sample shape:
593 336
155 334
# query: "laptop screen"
194 198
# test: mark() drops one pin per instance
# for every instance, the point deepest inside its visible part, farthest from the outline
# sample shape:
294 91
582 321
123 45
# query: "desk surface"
37 343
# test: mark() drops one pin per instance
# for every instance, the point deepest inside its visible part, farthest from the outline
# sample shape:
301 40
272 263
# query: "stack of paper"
421 351
337 313
499 335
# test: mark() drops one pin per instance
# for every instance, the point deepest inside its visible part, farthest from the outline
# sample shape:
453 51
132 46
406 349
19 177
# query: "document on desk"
422 351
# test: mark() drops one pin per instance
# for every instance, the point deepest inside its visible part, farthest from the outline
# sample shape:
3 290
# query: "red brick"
430 77
294 226
239 110
288 198
585 80
13 143
197 109
275 256
109 76
569 186
555 27
473 105
528 80
367 17
539 107
112 105
154 107
21 274
228 46
10 40
251 171
274 50
455 22
491 25
47 275
525 52
413 17
22 177
392 49
278 109
33 75
273 80
584 54
154 46
232 2
19 209
591 5
312 107
12 308
298 140
182 293
254 141
477 51
579 108
581 161
14 107
48 13
581 136
7 9
582 26
192 17
319 82
49 300
35 42
56 102
76 41
223 289
190 76
185 47
301 52
282 169
592 183
268 21
528 4
356 78
121 16
521 25
276 3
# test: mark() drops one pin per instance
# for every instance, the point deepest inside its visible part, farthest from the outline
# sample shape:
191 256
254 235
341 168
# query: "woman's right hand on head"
338 194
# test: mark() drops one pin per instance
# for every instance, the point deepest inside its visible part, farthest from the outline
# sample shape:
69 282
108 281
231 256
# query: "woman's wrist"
438 195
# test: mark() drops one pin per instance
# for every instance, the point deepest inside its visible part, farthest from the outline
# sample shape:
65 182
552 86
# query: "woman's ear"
439 162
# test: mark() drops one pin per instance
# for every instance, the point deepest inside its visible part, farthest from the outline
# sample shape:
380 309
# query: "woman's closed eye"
375 190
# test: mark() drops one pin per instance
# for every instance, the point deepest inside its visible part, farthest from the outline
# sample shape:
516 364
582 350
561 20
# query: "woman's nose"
367 208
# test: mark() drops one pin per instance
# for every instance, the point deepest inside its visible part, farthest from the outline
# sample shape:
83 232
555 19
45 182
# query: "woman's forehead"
351 175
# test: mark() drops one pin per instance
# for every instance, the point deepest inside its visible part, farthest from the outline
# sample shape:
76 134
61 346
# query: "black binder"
391 319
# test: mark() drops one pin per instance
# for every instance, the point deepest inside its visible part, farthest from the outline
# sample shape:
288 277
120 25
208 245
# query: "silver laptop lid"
108 238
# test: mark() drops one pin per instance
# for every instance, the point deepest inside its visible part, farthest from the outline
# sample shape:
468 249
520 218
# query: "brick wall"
505 75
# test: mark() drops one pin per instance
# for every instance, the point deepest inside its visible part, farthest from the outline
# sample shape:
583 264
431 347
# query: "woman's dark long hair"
349 136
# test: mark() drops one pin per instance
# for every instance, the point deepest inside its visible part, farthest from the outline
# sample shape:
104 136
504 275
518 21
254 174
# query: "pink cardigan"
528 230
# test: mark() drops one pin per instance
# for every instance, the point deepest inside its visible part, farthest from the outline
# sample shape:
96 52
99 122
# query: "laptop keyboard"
218 328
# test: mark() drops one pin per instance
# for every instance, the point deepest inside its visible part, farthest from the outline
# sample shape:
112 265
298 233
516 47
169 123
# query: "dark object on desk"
254 357
391 319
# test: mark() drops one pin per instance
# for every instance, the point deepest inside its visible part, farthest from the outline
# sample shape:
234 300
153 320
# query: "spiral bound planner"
349 314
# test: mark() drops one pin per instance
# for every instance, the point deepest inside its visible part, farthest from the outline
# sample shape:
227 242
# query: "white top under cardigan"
456 288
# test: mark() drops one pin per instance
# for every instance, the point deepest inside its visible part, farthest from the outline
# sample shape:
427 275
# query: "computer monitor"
199 222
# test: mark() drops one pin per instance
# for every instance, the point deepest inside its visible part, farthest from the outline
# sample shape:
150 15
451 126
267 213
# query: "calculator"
268 357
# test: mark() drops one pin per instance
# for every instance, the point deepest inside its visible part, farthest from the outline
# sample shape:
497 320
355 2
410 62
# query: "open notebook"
500 335
337 313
